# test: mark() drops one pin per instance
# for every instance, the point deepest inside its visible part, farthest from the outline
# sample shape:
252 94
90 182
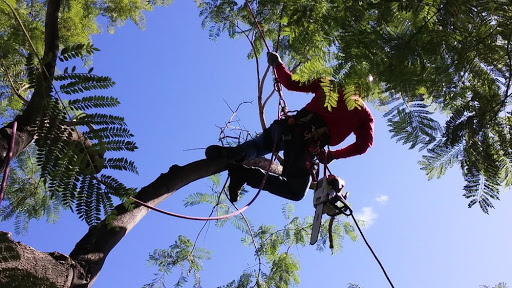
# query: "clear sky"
172 82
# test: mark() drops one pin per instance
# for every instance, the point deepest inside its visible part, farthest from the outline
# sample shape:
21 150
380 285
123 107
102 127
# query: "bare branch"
222 134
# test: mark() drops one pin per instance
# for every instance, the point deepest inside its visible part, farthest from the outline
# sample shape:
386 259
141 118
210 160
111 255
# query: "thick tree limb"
22 266
86 260
91 251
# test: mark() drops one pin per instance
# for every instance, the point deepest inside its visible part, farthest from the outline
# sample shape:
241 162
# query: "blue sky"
173 83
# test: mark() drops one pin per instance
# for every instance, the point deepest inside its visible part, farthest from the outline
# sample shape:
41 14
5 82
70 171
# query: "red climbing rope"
222 216
257 25
283 108
208 218
8 157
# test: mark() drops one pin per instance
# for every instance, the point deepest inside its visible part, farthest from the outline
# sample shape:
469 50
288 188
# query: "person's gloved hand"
336 183
325 157
273 59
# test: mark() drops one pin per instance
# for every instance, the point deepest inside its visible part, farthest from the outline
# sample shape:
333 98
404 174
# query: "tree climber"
301 136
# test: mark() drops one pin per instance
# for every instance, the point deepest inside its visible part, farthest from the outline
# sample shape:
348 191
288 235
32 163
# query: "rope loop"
8 157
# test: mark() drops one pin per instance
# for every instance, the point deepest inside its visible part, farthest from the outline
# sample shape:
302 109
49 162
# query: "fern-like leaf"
65 163
117 145
479 189
108 133
77 51
81 82
352 96
121 164
115 187
100 119
200 198
440 158
96 101
412 124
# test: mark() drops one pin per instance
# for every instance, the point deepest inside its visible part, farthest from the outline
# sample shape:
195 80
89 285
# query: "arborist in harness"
301 136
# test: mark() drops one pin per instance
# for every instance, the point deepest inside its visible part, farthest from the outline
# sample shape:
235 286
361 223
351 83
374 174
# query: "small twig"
253 242
14 90
211 213
222 134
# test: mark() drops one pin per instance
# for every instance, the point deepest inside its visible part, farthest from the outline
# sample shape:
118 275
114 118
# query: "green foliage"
481 190
499 285
26 198
68 162
440 158
283 272
331 93
78 20
83 82
244 281
411 123
76 51
182 254
96 101
219 11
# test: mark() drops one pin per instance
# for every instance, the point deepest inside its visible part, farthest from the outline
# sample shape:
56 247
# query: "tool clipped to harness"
328 199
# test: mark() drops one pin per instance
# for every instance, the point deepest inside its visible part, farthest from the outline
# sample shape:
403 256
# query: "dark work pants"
295 180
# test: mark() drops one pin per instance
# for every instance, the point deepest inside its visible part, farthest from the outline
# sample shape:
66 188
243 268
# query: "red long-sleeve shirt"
341 122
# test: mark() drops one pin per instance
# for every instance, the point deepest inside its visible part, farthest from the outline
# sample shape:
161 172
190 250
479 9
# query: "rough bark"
22 266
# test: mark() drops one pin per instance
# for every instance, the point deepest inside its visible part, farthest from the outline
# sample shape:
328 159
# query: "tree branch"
91 251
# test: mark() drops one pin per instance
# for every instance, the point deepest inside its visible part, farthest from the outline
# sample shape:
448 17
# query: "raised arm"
285 76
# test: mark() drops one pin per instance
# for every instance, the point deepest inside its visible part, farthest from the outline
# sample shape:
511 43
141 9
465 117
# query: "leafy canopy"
441 70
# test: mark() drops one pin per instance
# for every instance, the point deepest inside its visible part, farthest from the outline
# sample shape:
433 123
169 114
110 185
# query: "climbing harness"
313 130
8 157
